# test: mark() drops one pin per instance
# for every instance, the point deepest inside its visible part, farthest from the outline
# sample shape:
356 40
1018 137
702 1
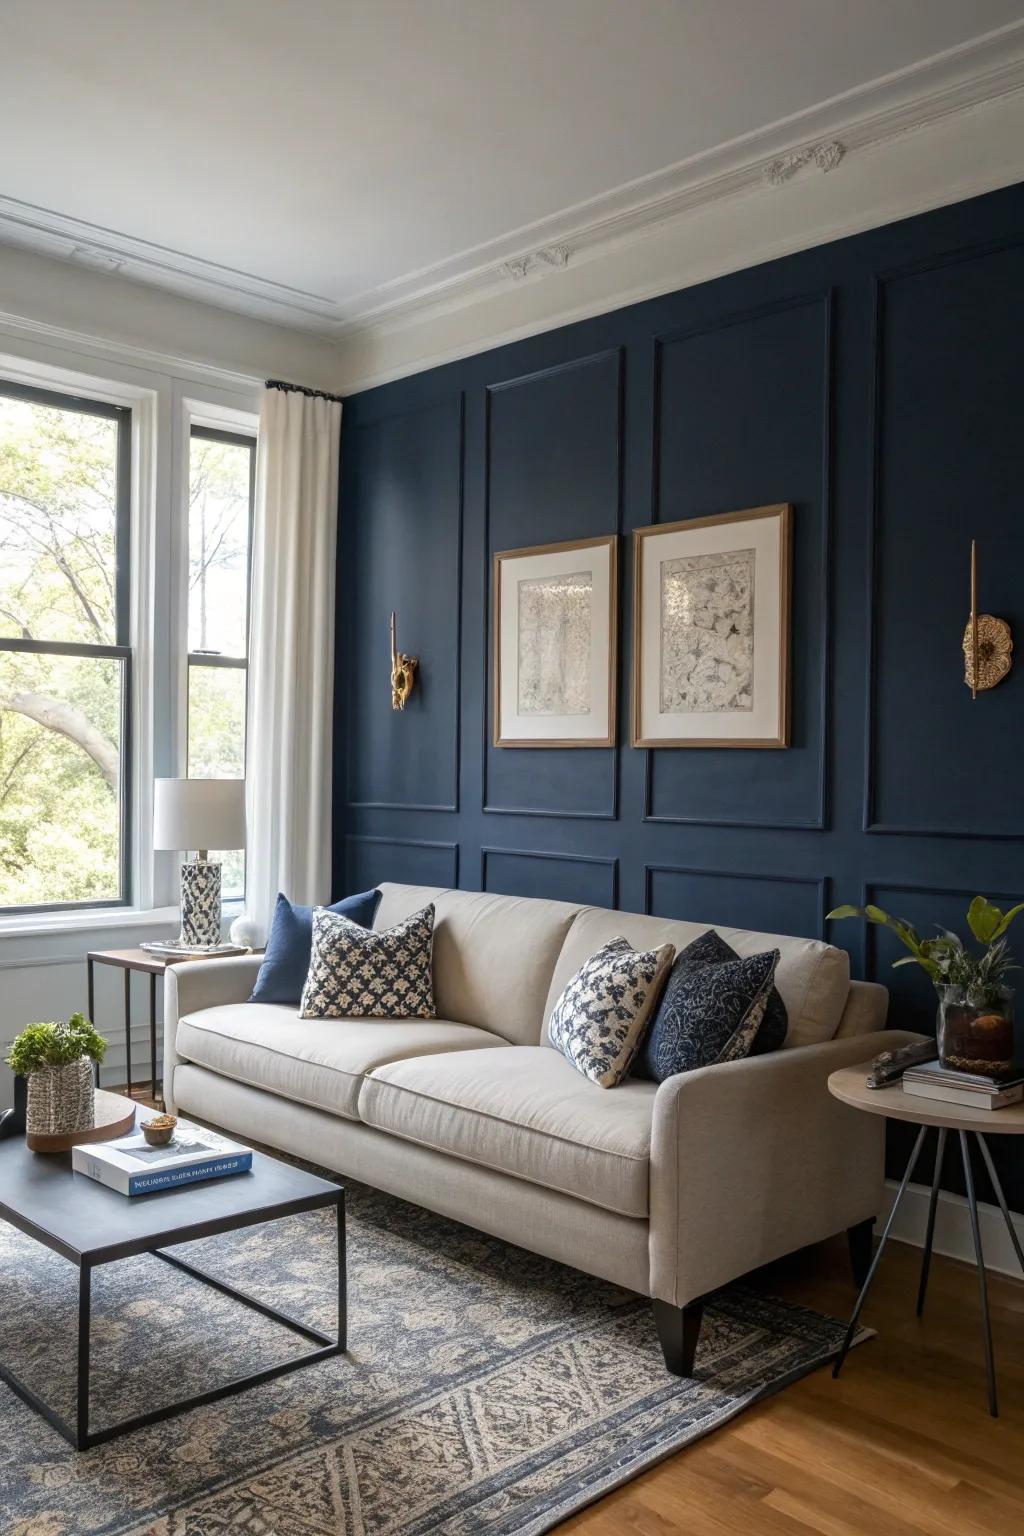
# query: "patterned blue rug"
485 1391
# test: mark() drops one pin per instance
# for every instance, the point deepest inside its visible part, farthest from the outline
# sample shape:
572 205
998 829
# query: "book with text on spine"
132 1167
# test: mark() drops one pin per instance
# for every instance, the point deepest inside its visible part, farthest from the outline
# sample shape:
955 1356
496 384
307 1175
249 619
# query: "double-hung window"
222 475
65 653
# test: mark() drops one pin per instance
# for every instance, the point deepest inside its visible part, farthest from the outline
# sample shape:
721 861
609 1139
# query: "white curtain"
291 667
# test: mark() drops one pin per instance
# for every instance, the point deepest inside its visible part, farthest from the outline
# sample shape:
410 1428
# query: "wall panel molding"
458 401
818 814
871 823
445 854
605 355
819 885
593 862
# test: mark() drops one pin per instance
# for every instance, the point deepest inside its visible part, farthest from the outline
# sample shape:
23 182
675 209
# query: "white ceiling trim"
814 142
963 79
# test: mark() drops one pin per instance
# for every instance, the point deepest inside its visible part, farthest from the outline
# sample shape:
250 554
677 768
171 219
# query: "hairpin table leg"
986 1322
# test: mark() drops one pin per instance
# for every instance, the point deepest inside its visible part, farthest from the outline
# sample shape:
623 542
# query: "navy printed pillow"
716 1007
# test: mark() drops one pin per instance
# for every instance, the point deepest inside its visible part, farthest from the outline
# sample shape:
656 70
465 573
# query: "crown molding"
14 327
49 233
814 141
820 140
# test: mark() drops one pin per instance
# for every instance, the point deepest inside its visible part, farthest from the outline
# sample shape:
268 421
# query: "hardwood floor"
901 1445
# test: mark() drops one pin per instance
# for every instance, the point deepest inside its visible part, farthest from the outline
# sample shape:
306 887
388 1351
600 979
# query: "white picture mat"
764 536
513 726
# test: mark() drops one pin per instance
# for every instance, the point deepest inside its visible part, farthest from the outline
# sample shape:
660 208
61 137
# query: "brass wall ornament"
988 643
403 671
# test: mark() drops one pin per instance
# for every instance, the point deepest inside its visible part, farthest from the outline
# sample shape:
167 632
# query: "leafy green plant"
946 958
55 1045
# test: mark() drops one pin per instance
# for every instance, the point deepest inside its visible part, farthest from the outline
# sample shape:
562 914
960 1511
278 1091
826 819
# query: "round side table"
849 1086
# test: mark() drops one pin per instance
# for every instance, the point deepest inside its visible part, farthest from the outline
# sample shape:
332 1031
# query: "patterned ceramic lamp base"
200 904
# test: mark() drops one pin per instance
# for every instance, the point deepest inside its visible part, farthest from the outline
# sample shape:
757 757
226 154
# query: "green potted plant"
975 1016
57 1060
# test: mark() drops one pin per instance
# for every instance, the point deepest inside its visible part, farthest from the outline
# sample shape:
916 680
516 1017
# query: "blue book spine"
172 1178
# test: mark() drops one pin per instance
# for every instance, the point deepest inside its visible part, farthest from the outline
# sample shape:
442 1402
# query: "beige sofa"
668 1190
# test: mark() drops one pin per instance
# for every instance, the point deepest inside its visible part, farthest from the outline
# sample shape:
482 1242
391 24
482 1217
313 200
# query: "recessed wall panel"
553 465
401 531
950 379
786 904
590 881
743 421
408 861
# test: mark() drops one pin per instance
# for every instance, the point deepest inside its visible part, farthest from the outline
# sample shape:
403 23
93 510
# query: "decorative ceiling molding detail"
548 256
965 79
108 250
824 156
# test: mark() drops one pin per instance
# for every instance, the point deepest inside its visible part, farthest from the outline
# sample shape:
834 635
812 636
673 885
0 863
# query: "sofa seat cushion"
320 1062
525 1111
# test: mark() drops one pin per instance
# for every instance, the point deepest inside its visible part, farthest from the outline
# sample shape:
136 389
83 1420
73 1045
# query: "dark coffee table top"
86 1221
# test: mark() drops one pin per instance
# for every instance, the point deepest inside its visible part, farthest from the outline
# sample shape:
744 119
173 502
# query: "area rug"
486 1390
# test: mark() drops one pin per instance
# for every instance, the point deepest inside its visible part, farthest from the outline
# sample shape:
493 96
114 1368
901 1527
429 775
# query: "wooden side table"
849 1086
129 960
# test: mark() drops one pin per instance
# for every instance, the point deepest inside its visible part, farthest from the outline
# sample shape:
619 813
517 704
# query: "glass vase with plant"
975 1016
57 1060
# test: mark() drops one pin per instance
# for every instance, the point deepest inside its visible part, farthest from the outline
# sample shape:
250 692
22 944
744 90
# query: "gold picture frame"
764 625
533 565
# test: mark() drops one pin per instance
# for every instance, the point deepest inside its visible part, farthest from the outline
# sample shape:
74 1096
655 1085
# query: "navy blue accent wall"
876 383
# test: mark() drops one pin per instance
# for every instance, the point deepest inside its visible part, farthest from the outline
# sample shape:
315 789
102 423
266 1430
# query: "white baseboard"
953 1227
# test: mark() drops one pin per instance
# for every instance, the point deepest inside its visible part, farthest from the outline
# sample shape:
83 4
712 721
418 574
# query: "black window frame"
121 650
217 658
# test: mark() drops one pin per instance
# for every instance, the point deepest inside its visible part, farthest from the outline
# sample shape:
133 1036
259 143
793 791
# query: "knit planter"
61 1099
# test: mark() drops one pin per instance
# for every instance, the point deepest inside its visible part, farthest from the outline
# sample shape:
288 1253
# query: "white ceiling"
317 150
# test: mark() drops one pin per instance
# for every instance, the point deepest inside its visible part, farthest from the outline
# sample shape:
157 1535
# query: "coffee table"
90 1225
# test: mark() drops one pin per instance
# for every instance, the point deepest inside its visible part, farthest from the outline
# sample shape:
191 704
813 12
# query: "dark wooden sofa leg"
678 1332
861 1240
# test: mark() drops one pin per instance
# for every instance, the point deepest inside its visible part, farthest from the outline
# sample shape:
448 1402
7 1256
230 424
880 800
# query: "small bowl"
158 1132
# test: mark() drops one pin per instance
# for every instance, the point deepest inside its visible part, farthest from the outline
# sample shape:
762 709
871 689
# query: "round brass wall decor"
995 646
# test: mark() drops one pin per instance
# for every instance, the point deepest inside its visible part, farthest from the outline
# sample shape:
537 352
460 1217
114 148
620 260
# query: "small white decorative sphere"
245 931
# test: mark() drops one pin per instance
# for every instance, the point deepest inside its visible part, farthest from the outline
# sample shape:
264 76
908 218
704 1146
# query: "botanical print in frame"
555 608
711 631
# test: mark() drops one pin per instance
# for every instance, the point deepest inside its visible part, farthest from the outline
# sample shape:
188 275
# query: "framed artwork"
711 617
555 610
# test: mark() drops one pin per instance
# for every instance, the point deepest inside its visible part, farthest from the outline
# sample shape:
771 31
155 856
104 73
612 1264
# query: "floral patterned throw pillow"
600 1018
355 973
717 1006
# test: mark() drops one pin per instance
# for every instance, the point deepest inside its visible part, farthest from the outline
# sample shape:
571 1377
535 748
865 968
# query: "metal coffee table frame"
78 1433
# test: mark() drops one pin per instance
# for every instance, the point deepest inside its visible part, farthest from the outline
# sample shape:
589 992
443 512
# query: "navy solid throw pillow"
716 1007
282 975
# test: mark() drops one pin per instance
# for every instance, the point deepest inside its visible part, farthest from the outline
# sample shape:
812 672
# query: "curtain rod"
300 389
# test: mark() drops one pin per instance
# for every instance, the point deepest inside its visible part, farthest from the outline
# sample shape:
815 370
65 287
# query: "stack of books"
965 1088
132 1167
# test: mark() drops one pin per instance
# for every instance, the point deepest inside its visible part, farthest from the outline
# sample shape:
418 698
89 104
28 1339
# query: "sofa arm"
752 1159
196 984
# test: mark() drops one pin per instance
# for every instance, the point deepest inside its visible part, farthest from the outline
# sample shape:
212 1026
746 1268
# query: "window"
222 474
65 660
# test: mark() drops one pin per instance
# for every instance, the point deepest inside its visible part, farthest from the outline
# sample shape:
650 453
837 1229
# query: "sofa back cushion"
493 955
813 978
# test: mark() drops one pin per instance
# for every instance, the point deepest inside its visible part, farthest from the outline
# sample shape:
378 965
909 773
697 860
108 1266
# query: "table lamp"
199 814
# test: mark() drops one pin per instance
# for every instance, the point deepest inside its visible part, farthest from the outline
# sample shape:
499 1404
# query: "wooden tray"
114 1116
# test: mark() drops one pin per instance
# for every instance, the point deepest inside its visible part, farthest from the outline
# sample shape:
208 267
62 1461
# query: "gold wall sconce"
988 643
403 671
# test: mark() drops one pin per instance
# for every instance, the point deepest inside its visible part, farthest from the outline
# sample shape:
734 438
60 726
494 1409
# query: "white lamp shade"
199 813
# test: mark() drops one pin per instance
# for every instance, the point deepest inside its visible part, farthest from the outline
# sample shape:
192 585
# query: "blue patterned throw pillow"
600 1018
716 1007
283 972
357 974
